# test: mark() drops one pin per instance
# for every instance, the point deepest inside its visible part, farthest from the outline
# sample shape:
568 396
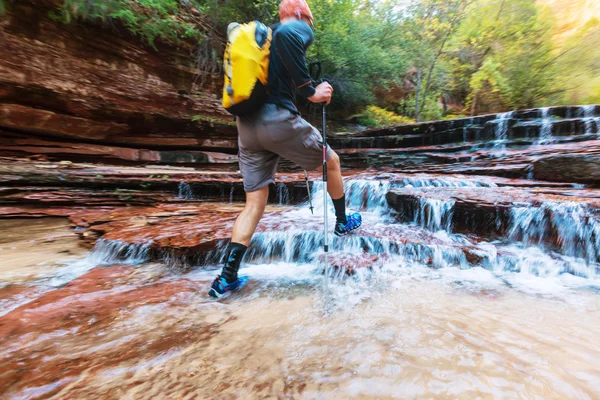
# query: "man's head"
295 9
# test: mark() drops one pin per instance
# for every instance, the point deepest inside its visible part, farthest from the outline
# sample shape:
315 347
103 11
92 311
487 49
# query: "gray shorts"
274 132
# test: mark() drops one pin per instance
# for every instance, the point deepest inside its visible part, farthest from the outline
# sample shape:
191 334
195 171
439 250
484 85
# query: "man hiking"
277 130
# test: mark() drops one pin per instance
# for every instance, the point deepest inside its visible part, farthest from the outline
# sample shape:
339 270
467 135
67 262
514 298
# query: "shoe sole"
213 293
344 234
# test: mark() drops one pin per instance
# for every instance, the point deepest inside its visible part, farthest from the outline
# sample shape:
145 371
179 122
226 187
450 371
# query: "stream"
414 318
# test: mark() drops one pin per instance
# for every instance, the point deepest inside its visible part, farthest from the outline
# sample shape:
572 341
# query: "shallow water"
425 312
28 247
402 330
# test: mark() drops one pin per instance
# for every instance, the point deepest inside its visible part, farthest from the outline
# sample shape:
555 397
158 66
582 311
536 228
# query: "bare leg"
246 222
335 186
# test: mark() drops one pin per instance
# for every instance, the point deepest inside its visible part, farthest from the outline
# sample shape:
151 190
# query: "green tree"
359 48
577 77
430 26
505 47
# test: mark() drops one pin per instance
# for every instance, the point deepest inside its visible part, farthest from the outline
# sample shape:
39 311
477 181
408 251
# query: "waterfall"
566 234
546 128
434 214
283 194
502 124
466 128
306 246
501 129
116 252
590 119
576 229
360 194
425 181
544 240
185 191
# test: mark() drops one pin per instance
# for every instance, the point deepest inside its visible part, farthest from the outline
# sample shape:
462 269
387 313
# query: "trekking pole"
325 238
308 191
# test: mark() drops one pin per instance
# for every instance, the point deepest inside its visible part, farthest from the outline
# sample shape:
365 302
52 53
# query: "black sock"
340 209
235 253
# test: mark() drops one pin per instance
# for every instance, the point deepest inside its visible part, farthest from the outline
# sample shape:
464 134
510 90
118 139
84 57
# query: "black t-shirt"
288 73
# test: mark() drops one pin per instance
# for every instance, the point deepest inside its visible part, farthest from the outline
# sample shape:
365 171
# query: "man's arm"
290 48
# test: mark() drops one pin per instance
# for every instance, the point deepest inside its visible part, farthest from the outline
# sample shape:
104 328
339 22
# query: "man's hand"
323 93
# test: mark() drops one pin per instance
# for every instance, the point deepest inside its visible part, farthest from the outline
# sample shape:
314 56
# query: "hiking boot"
228 280
220 287
353 221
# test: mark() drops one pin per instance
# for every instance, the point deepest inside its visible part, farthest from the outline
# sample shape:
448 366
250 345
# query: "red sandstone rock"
90 307
87 82
486 211
52 124
580 167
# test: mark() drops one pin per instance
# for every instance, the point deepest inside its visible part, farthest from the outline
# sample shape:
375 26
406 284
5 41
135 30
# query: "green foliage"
506 48
212 120
454 116
5 6
222 13
359 48
376 117
149 19
402 55
577 69
430 27
430 108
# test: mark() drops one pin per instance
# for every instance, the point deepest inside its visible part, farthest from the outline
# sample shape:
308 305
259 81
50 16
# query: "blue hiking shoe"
220 287
353 221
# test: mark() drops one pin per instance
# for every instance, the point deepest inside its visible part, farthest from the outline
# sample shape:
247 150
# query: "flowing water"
546 128
501 129
185 191
412 311
592 121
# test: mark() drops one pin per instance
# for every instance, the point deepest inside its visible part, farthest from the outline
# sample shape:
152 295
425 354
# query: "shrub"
149 19
377 116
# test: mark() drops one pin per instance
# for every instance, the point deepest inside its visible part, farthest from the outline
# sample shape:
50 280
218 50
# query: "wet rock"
34 212
521 126
566 127
504 162
132 185
88 308
177 230
492 212
558 111
584 168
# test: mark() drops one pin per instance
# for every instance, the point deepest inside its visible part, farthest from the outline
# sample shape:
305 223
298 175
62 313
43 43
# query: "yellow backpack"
246 65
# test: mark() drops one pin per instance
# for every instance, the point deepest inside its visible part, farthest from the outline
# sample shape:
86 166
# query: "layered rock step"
193 235
21 145
563 220
535 162
484 208
522 127
35 184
